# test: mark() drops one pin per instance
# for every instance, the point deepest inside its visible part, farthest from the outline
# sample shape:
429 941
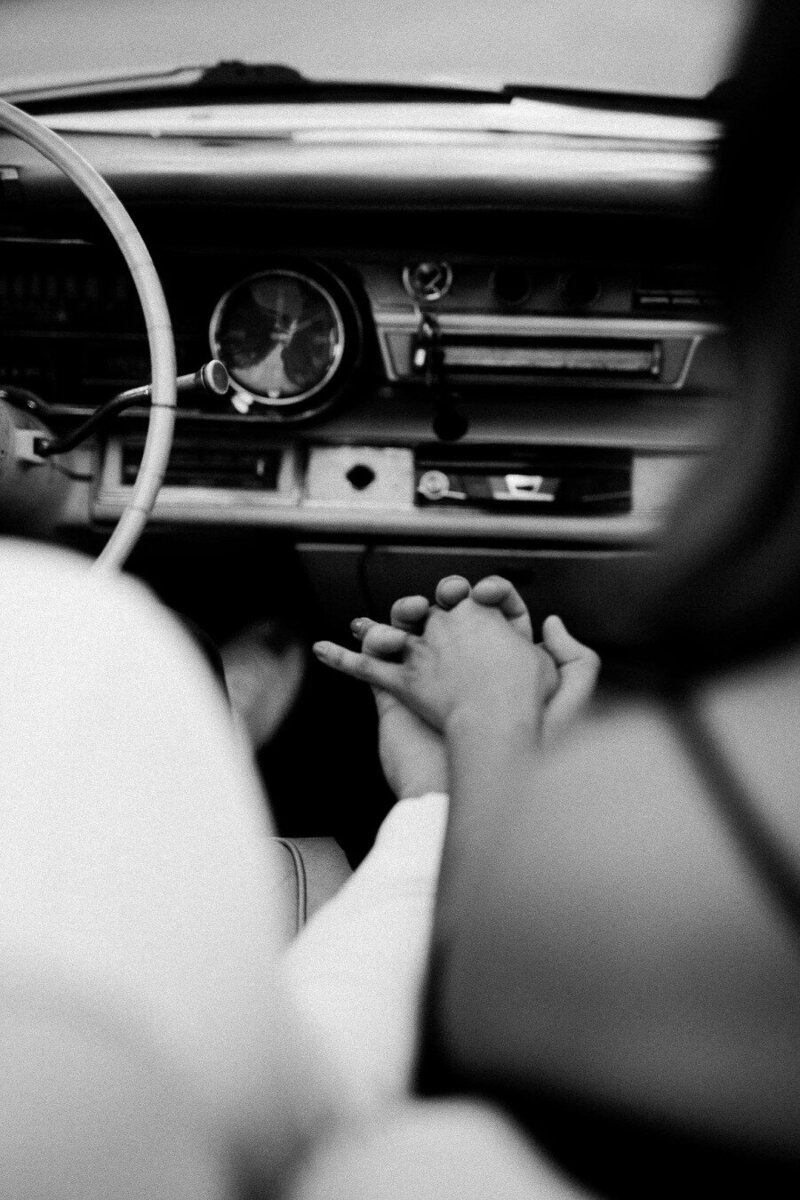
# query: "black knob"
449 424
511 285
579 289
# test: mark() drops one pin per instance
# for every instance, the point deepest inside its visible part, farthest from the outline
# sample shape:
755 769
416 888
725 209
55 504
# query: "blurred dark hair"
727 587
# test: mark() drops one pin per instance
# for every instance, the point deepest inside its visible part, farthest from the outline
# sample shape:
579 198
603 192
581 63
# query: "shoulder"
619 905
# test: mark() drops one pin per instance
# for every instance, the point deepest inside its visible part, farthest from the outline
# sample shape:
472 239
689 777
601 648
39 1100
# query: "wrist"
416 777
411 787
501 721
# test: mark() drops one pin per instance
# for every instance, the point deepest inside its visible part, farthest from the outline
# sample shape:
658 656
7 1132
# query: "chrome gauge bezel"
347 322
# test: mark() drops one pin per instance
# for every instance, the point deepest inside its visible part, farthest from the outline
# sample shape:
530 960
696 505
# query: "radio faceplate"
620 353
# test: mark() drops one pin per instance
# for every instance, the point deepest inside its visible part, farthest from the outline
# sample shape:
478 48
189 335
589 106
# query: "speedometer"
283 336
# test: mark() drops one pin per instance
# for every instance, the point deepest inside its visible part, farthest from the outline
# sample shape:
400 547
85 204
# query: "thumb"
578 668
560 643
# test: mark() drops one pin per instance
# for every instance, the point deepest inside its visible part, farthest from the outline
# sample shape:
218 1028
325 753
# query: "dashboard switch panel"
555 480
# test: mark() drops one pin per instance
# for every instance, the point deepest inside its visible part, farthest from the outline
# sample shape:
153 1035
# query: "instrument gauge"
285 338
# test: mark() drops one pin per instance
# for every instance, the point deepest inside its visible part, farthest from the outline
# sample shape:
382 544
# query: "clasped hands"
468 656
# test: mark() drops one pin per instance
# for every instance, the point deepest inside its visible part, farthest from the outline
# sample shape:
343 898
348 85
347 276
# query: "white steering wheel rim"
158 442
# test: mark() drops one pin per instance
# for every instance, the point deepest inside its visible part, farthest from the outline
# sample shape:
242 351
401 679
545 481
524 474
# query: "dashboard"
488 348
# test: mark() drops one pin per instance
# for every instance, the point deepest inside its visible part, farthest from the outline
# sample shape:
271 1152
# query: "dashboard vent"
64 296
220 465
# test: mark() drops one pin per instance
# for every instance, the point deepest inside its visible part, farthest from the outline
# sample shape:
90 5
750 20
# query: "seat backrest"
313 870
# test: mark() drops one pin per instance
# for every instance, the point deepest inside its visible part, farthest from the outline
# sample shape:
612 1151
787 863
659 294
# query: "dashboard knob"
214 377
579 289
427 281
434 485
511 285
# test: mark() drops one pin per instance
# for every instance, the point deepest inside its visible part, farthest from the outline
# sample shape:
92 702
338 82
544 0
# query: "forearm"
491 753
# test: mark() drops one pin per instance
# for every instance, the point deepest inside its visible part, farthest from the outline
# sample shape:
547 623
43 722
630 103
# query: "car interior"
462 332
285 349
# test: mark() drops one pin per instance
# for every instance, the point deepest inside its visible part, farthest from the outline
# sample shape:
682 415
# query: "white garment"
357 970
138 884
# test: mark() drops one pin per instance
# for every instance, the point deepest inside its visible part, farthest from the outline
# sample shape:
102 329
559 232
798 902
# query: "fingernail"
356 626
320 649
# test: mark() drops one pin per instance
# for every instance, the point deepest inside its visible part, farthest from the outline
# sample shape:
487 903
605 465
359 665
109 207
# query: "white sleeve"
356 971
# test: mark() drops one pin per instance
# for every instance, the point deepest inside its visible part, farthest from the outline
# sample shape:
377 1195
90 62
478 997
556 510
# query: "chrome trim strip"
519 325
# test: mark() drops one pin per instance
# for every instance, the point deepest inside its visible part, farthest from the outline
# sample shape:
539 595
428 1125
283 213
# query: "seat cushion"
313 870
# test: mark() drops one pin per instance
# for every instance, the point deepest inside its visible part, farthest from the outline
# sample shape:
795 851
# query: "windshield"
656 47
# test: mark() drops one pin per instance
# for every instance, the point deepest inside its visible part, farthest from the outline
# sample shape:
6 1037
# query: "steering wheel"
158 442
